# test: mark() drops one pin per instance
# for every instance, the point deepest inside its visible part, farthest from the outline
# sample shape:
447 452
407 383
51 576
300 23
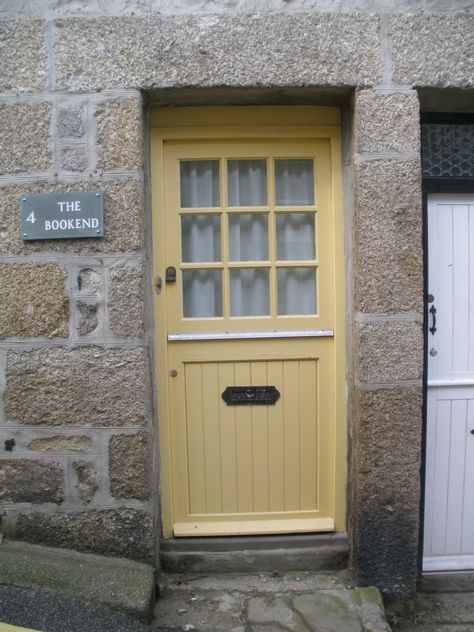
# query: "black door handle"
433 314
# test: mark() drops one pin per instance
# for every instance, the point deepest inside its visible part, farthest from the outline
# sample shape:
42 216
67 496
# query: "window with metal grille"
447 149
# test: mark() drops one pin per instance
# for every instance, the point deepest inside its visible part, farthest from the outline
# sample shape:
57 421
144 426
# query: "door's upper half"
249 226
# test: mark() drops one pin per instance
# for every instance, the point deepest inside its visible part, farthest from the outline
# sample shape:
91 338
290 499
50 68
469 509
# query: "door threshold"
285 553
253 527
446 581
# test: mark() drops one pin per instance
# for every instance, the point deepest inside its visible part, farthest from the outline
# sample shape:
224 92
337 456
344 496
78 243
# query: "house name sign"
62 215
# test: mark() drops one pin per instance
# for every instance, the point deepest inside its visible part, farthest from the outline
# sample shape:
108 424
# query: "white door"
449 493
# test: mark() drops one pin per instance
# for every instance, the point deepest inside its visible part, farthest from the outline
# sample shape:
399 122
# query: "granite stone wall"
77 433
76 428
388 337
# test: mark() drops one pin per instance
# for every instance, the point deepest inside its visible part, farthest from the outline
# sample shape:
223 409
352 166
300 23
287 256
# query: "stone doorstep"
454 581
305 552
115 583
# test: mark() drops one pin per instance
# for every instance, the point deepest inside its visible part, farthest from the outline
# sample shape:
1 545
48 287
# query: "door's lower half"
241 468
449 506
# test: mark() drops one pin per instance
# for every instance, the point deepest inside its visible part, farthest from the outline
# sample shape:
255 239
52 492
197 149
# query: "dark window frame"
447 184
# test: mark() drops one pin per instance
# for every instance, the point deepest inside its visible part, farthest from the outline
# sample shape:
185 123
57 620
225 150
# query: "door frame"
254 122
432 185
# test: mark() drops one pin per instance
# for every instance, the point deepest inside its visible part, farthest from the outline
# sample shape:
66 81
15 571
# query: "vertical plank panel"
291 408
460 288
244 444
456 476
179 441
276 438
468 508
433 281
430 492
260 441
308 443
195 436
470 273
228 441
442 441
444 300
212 448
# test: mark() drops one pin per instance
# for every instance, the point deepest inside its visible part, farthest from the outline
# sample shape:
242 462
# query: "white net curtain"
248 234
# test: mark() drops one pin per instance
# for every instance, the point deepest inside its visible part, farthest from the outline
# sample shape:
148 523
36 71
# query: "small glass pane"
294 182
200 238
296 291
247 182
202 293
249 292
248 237
199 183
295 236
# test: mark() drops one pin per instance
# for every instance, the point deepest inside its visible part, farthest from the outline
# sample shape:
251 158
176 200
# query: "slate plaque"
62 215
250 395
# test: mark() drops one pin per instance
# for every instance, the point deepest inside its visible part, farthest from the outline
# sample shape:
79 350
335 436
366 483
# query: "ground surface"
439 612
266 602
297 602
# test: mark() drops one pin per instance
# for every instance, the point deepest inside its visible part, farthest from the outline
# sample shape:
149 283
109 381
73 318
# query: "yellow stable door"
248 257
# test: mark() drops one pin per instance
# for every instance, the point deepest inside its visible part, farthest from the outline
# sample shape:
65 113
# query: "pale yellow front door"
248 253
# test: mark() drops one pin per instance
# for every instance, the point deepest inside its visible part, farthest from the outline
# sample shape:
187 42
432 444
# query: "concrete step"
115 583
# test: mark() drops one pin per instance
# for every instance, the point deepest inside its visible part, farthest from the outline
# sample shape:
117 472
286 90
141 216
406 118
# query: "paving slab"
294 602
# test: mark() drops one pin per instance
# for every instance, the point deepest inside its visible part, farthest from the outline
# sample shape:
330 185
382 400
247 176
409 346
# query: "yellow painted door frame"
199 434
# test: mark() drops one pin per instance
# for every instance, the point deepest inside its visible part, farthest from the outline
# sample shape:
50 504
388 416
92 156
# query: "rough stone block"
433 49
87 484
390 351
121 532
33 301
124 209
70 122
89 281
239 50
382 467
82 385
23 55
386 477
119 134
130 466
26 481
386 122
60 443
389 237
126 301
88 317
24 129
73 158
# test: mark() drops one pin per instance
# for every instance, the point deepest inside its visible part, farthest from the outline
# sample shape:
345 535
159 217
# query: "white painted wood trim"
251 335
438 383
448 563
